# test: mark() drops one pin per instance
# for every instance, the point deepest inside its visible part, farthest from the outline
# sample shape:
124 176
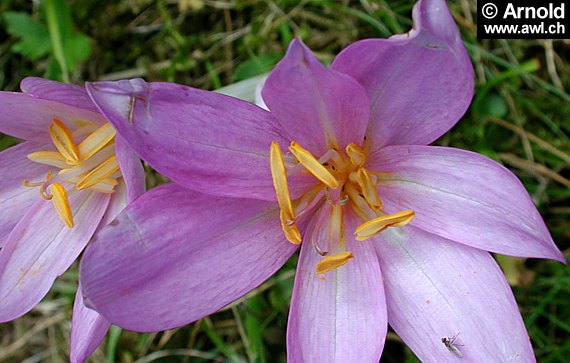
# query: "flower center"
91 164
344 181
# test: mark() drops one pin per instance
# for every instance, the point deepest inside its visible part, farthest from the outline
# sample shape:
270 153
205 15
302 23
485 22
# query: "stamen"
51 158
318 249
104 186
331 262
307 199
358 201
336 157
42 185
343 201
290 230
336 233
89 164
96 141
368 189
44 193
31 185
38 184
63 141
356 155
377 225
61 204
334 196
101 172
313 166
279 175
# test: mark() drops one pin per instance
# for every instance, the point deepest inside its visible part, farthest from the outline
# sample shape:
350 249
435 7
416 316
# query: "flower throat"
344 182
91 164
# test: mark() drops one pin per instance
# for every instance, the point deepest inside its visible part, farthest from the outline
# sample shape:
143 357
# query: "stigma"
90 164
344 182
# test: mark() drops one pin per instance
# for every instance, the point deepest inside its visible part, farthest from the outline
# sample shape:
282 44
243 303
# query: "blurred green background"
520 116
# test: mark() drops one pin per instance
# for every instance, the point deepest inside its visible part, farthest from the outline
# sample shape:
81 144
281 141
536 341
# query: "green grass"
520 117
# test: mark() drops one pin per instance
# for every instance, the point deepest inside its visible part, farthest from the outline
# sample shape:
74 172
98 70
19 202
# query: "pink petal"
465 197
68 94
320 108
117 203
202 140
131 168
339 315
88 329
420 83
28 118
437 289
15 198
174 256
41 247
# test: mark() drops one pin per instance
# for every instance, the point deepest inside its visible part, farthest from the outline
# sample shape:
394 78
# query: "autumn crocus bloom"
71 176
391 231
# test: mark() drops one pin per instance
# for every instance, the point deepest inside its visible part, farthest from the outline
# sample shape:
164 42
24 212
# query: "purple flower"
71 176
391 231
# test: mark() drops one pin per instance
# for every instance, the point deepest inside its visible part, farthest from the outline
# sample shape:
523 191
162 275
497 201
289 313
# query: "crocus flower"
71 176
391 231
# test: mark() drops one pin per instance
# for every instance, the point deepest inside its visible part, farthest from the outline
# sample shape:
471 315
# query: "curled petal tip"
552 252
559 256
26 81
300 54
297 44
435 17
433 64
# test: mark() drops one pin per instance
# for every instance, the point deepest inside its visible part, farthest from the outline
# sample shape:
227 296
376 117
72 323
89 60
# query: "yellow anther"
52 158
356 155
377 225
331 262
61 204
101 172
290 230
87 165
91 164
279 175
63 141
96 141
313 165
368 187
